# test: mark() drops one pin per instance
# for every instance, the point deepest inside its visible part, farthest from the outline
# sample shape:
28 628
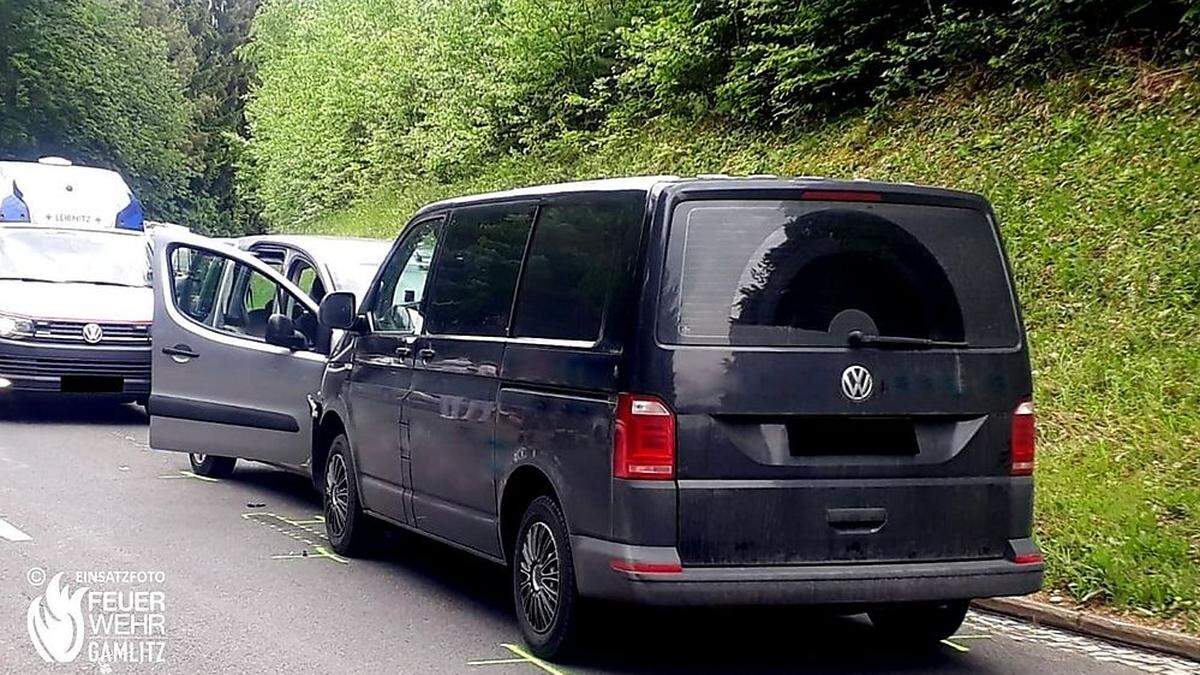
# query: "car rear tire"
346 525
211 466
543 580
919 624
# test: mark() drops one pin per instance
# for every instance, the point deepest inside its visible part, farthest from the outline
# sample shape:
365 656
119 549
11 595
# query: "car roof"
721 183
317 246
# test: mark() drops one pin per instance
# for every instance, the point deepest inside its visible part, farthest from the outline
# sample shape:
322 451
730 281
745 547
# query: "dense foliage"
150 88
83 79
355 93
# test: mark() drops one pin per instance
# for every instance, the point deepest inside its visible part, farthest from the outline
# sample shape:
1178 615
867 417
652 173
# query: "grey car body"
193 398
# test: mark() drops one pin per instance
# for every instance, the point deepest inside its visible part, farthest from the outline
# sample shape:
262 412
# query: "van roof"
60 194
720 183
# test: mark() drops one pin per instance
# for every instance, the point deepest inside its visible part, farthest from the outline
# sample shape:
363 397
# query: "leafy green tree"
85 79
355 95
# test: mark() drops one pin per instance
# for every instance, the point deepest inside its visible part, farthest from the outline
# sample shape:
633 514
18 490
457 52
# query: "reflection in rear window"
809 273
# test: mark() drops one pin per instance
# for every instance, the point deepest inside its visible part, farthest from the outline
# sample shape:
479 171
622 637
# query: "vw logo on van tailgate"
93 333
857 383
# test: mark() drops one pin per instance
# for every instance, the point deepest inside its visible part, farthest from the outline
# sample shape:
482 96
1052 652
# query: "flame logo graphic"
56 628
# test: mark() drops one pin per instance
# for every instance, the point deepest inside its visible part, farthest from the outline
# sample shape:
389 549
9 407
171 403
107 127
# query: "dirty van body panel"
776 464
559 386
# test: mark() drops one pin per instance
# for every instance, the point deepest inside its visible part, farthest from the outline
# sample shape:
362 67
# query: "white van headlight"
15 327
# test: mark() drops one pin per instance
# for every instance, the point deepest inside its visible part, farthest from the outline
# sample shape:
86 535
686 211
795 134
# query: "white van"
75 297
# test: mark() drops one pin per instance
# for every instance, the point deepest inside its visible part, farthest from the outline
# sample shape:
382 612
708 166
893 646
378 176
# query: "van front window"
74 256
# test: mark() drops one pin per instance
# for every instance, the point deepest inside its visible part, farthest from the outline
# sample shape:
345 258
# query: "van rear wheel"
543 580
211 466
921 623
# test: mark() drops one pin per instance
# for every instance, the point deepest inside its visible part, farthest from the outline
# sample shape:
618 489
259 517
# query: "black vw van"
692 391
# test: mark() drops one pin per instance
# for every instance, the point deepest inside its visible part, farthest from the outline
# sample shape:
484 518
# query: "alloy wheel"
337 495
539 577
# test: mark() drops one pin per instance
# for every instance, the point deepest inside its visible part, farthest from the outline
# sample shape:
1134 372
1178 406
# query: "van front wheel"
543 580
346 525
921 623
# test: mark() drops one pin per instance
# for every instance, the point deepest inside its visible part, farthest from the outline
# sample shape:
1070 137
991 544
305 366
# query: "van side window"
477 271
401 287
569 272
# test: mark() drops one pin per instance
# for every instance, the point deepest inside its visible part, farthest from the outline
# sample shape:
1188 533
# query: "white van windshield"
74 256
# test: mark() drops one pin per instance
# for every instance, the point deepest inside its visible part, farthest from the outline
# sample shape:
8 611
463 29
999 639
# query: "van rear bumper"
833 584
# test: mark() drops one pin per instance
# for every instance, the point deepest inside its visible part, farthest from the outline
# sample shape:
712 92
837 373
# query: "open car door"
231 373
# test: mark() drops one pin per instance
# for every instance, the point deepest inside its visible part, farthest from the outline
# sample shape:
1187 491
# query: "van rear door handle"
180 352
403 352
427 353
862 521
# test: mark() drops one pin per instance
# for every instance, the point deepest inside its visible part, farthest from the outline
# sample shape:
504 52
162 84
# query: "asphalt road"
236 573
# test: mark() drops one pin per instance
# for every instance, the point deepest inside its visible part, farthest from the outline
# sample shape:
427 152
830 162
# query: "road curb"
1145 637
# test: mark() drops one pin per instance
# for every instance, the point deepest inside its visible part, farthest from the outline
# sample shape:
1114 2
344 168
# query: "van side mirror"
281 332
338 311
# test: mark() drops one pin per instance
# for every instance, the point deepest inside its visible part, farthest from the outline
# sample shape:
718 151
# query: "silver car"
237 306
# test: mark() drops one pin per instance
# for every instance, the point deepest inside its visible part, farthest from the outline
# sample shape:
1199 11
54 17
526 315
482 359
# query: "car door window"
305 276
401 288
241 305
196 279
480 261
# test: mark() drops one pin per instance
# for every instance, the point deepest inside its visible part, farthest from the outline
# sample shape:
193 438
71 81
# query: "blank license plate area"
824 436
90 384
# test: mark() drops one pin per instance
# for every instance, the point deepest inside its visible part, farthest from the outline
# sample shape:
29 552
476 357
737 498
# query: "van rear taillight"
644 439
1023 439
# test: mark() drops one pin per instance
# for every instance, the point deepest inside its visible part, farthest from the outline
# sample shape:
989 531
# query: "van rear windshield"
809 273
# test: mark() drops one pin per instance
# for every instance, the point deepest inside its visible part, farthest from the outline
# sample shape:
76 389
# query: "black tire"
346 525
541 558
919 624
211 466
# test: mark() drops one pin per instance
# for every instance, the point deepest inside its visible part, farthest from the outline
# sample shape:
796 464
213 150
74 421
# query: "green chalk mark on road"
301 530
523 656
189 474
950 641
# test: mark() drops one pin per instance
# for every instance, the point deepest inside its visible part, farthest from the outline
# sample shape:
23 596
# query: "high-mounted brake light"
1022 439
644 439
841 196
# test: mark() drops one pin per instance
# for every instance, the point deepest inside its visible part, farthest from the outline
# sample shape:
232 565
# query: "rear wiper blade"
857 338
